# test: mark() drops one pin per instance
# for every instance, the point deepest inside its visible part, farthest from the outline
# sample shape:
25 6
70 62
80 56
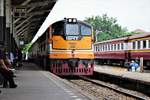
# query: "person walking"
6 73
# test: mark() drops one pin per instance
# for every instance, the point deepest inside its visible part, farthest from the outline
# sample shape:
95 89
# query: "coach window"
111 47
121 46
96 48
118 46
114 47
148 43
102 47
108 47
138 44
133 45
105 47
144 44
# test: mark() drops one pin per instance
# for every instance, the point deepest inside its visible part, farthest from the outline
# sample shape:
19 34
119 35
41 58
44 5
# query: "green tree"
106 27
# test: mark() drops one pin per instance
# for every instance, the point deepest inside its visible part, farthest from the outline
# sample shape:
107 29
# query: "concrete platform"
39 85
122 72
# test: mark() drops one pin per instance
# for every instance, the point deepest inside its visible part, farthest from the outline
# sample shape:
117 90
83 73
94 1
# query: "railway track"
106 91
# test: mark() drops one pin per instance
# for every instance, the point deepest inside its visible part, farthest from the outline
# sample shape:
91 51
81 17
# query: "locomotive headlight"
69 20
74 20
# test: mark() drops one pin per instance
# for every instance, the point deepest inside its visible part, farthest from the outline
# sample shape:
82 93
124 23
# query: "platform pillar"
8 25
141 65
2 23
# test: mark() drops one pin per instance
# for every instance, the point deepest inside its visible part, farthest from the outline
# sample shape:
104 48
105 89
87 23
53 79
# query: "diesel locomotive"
66 48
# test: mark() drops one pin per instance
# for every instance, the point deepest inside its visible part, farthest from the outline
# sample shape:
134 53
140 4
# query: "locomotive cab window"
72 29
85 30
75 31
58 28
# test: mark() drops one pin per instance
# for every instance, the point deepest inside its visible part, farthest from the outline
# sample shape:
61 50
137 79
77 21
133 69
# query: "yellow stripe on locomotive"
84 43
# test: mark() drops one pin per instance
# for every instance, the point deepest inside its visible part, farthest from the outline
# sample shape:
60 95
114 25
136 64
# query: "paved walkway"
145 77
39 85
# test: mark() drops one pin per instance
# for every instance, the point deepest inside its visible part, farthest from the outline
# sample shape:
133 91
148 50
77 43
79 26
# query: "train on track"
122 50
66 48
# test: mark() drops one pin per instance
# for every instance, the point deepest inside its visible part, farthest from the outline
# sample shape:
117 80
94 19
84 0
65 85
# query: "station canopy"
28 16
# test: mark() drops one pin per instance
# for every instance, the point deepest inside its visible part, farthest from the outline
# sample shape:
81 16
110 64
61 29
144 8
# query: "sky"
131 14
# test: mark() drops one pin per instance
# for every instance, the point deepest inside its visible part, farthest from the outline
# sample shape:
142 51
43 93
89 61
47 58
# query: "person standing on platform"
18 56
6 73
134 66
11 57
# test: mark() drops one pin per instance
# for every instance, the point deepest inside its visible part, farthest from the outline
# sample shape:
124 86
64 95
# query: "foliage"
106 28
26 48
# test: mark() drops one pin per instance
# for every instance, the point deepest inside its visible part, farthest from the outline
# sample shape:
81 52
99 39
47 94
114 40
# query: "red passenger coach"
124 49
111 51
111 55
140 47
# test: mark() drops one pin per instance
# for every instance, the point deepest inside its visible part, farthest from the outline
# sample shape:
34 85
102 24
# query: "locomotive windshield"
85 30
72 29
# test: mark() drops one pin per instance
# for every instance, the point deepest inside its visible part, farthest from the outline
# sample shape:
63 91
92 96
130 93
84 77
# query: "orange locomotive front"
70 48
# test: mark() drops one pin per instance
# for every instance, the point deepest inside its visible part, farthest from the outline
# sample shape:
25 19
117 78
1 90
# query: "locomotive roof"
79 21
